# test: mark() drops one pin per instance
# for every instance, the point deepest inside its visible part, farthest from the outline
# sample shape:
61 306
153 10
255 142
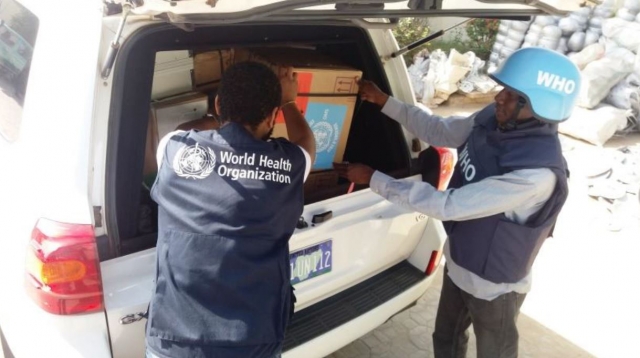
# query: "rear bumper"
357 327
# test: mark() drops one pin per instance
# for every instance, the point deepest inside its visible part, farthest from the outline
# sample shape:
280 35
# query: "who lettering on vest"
198 162
468 169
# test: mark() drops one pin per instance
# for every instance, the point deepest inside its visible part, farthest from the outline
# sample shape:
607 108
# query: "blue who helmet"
549 81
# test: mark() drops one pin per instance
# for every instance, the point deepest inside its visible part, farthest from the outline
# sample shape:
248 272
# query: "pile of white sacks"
604 42
436 76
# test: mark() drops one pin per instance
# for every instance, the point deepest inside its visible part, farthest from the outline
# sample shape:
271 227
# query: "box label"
326 122
344 85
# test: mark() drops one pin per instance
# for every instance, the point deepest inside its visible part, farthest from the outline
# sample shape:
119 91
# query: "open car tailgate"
236 11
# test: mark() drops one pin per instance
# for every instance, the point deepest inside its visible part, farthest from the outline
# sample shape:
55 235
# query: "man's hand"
297 127
370 92
289 84
355 173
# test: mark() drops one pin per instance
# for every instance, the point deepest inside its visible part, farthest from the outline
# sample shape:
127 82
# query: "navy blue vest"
228 204
496 248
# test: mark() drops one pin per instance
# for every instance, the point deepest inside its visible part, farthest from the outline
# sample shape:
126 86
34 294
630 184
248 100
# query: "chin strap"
514 123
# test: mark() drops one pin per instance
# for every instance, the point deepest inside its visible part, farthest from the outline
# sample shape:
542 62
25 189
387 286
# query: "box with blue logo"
327 94
330 120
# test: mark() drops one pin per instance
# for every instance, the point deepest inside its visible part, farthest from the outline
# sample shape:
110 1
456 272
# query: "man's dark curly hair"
248 93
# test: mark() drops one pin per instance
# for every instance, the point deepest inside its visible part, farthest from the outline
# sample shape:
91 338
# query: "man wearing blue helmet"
507 190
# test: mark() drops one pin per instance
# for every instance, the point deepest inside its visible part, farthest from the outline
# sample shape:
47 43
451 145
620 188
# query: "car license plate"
310 262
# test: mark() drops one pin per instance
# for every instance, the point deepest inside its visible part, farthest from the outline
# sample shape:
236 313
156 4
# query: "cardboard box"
172 74
320 180
170 113
327 94
164 117
209 66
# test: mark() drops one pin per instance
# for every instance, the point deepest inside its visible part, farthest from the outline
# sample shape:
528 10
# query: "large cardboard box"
327 94
208 68
170 113
164 117
172 74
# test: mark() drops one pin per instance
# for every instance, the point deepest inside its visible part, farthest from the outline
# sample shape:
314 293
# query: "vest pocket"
513 249
213 290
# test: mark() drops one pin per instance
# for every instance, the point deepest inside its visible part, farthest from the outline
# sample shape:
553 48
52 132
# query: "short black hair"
248 93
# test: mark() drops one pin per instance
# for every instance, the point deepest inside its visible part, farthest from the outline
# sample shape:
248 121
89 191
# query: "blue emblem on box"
326 122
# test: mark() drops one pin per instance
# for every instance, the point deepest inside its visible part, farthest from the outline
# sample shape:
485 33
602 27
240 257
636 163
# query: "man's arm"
490 196
449 132
297 127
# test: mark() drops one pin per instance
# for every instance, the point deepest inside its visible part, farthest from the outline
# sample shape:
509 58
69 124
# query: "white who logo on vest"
194 162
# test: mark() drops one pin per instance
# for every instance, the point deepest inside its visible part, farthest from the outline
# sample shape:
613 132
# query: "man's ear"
527 111
216 105
272 118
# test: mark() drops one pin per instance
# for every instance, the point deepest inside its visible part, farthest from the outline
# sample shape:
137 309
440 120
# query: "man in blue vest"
228 202
507 189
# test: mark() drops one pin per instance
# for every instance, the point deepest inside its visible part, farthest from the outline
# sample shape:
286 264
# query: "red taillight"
63 269
434 261
447 163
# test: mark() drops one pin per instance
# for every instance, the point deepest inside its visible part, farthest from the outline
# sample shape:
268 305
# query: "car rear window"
18 30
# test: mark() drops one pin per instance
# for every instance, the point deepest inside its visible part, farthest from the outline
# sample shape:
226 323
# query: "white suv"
76 257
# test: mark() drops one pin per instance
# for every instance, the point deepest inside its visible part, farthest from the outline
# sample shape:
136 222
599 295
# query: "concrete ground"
585 287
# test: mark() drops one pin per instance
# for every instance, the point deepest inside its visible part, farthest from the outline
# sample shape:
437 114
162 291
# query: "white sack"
599 77
552 32
506 52
594 126
625 14
551 44
596 22
512 44
494 57
568 25
417 71
589 54
545 20
535 29
596 31
465 86
521 26
624 33
576 41
603 12
445 75
478 82
515 35
562 46
591 38
532 38
583 12
621 95
632 5
503 29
